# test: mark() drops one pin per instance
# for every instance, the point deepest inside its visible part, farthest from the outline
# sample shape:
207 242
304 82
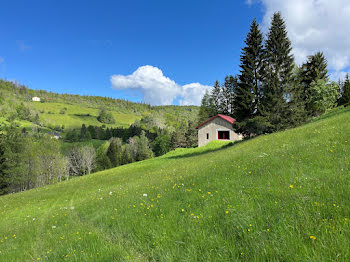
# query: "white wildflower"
145 195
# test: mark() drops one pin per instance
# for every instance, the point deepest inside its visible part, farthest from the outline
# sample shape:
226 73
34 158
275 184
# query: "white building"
36 99
218 127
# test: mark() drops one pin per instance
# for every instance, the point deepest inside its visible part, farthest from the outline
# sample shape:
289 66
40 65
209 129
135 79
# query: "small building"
55 135
219 127
36 99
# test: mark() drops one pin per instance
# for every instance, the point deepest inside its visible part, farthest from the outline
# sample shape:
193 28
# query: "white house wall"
212 127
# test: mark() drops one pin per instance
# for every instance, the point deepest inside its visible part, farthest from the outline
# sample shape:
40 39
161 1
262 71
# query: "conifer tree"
216 97
279 63
346 91
228 94
246 99
313 70
206 109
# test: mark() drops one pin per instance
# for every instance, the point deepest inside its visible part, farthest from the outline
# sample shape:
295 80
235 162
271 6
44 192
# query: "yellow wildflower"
313 237
291 186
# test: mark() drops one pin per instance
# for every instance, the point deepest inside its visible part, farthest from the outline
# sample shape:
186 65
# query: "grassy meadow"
76 115
279 197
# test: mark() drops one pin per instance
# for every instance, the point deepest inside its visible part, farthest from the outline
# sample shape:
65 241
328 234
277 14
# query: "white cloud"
157 89
315 25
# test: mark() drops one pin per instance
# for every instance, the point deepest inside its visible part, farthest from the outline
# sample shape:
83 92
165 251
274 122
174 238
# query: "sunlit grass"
279 197
76 115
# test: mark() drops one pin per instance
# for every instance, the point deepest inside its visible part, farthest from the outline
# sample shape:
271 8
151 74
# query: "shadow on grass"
334 112
197 153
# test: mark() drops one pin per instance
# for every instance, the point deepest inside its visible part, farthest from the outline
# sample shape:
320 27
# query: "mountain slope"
283 196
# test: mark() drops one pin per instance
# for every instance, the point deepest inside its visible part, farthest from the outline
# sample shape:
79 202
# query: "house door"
223 135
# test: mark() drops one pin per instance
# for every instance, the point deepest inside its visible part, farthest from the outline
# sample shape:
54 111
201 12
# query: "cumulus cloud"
315 25
157 89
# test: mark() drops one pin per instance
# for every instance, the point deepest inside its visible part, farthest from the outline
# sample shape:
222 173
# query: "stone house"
218 127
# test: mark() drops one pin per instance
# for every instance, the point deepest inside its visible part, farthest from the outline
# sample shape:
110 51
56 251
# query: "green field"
279 197
77 115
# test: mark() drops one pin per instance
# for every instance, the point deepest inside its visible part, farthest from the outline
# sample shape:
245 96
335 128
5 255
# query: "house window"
207 135
224 135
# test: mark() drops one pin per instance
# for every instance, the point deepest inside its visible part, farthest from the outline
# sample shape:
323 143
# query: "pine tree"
228 94
346 91
279 63
313 70
246 100
216 98
206 111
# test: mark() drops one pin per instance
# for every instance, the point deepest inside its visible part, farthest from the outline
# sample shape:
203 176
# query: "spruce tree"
313 70
228 95
246 99
216 97
279 63
346 91
206 109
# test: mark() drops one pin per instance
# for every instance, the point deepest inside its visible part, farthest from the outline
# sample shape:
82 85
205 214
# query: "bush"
105 117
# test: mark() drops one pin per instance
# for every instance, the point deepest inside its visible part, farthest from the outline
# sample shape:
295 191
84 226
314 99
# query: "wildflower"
53 227
38 258
226 211
34 219
313 237
110 193
182 210
145 195
291 186
209 193
250 225
248 229
268 230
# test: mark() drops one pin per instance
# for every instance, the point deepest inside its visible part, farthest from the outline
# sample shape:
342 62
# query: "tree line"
271 92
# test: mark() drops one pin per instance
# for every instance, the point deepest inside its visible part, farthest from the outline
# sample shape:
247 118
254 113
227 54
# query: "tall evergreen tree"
216 97
246 99
206 109
279 63
346 91
313 70
228 94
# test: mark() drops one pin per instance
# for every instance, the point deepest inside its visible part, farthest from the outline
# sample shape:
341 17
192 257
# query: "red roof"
227 118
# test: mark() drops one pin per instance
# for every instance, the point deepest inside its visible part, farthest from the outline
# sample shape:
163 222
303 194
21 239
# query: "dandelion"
110 193
291 186
38 258
248 229
313 237
268 230
182 210
226 211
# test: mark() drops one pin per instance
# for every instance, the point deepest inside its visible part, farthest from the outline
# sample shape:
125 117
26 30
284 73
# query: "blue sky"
78 46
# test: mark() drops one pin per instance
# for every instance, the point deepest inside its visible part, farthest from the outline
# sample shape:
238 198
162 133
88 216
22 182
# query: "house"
218 127
55 135
36 99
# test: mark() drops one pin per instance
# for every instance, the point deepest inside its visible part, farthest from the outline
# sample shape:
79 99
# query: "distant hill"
278 197
71 111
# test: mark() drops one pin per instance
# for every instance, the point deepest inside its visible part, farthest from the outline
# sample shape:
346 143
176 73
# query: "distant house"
36 99
218 127
55 135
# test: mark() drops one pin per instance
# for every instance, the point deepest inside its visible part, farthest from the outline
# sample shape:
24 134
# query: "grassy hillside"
77 115
84 109
282 197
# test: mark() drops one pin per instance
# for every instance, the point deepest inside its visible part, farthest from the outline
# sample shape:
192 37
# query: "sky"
155 51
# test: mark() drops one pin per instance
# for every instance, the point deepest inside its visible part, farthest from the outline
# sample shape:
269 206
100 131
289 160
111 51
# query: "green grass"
77 115
260 199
